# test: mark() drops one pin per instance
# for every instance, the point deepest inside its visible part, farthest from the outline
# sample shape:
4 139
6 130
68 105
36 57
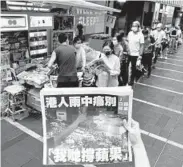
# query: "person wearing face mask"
148 51
108 77
136 47
80 54
159 36
118 51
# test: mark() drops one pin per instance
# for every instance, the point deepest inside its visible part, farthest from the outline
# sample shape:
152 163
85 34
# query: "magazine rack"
16 100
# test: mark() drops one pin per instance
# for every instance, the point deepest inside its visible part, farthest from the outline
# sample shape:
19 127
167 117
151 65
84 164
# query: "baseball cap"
159 25
137 23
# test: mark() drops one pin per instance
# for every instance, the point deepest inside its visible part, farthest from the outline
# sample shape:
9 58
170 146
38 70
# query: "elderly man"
159 35
136 47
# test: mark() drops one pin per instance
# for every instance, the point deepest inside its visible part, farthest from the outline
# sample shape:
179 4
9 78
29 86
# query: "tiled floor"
21 150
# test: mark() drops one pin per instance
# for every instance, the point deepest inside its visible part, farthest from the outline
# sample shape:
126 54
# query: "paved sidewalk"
158 107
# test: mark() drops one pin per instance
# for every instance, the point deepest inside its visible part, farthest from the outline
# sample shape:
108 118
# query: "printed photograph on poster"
85 126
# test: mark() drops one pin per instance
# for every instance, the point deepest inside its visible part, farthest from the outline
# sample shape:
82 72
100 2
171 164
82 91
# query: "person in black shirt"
65 57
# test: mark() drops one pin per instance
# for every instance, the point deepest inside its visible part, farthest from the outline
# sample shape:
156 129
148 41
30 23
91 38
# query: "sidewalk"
18 149
21 150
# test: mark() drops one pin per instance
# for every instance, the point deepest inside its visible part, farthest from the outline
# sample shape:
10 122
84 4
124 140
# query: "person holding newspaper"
140 155
80 54
108 75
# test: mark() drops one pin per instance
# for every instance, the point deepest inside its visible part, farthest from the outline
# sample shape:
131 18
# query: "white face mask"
134 29
115 42
77 46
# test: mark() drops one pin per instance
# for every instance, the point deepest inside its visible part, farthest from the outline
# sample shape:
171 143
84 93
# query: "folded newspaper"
85 125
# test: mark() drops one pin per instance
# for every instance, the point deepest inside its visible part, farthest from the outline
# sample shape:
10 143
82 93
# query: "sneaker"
148 76
161 57
166 58
153 66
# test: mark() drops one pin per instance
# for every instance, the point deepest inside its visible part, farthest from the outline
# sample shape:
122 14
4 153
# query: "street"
157 106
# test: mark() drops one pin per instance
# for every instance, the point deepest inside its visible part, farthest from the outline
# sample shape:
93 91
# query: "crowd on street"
125 58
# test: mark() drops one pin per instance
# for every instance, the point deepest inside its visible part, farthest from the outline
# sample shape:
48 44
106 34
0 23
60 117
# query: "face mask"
107 53
134 29
67 42
115 42
145 37
77 46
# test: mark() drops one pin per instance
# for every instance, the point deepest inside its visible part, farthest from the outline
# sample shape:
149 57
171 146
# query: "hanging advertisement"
85 126
169 14
92 20
156 14
110 21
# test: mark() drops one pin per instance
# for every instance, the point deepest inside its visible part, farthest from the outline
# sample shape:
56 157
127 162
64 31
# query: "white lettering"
80 20
91 20
87 21
77 10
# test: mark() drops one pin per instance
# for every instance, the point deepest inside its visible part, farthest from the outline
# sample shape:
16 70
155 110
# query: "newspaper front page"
85 125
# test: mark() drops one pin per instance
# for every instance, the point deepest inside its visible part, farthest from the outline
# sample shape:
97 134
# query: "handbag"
139 70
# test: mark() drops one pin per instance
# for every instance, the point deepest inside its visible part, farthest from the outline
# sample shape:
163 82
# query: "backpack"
174 33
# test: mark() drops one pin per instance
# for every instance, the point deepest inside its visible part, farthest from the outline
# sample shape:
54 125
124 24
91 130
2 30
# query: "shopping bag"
180 41
139 70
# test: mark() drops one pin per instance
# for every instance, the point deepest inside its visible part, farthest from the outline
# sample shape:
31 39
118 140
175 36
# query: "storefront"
29 35
165 11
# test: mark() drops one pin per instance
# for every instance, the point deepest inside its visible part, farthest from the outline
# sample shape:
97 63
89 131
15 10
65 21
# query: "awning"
174 3
76 3
84 4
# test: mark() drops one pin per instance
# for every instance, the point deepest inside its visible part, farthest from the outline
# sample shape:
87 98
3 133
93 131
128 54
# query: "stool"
16 100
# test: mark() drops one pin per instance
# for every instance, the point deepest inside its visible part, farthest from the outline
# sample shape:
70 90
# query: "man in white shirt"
179 34
159 35
136 47
80 54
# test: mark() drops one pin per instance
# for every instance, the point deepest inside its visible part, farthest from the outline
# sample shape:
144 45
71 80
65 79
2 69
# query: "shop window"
160 17
161 6
63 22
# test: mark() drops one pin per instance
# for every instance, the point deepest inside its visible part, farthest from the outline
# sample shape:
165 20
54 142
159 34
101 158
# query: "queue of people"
124 57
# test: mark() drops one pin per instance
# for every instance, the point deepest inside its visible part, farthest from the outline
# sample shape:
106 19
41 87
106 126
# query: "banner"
92 20
85 125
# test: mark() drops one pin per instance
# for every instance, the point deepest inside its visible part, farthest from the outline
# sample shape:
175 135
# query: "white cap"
159 25
137 23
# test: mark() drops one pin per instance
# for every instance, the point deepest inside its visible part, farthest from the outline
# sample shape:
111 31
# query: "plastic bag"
138 63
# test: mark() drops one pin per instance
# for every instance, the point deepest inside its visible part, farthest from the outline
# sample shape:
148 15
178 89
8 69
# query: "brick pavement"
21 150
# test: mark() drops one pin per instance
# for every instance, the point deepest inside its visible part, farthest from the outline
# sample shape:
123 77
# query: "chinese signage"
86 128
92 20
41 21
110 21
169 12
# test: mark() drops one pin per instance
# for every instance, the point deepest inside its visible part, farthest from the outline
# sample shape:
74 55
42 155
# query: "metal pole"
142 23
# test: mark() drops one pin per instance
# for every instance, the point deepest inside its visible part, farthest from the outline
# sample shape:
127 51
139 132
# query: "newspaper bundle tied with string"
85 125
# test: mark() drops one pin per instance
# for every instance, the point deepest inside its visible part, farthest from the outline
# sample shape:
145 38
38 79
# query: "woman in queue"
108 76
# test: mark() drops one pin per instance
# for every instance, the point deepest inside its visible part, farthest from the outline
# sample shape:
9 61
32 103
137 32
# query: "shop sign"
93 21
41 21
156 12
110 21
13 22
170 11
86 128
